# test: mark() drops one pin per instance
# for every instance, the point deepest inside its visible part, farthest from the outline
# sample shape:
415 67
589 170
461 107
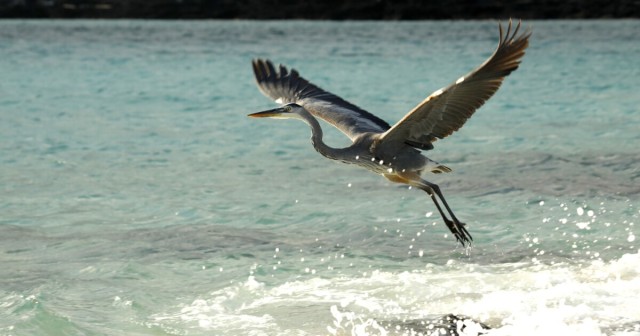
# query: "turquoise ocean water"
136 197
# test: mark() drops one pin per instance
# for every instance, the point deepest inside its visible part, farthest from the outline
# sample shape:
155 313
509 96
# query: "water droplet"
582 225
580 211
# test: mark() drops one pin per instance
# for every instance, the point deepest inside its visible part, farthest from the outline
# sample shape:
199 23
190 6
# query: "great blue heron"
394 151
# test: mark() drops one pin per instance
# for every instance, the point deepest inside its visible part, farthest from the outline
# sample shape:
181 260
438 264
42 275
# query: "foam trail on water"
534 299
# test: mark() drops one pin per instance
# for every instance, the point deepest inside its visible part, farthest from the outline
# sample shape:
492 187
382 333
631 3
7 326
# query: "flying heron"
394 151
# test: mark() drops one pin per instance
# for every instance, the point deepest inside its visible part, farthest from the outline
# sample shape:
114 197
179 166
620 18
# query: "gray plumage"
394 151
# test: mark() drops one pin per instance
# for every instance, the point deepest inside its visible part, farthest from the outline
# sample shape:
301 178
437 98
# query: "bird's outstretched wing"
447 109
286 86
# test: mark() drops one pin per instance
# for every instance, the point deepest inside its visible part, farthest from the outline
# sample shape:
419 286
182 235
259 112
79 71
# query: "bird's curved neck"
316 137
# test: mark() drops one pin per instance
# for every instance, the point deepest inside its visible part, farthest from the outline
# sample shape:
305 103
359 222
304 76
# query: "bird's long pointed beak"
267 114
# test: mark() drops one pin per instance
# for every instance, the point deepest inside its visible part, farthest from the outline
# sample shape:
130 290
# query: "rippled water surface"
138 199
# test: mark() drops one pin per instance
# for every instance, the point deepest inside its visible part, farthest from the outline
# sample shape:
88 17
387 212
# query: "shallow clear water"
138 198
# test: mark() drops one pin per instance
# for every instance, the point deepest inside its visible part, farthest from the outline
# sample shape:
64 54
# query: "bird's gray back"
364 152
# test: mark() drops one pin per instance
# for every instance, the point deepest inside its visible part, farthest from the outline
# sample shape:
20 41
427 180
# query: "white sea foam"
534 299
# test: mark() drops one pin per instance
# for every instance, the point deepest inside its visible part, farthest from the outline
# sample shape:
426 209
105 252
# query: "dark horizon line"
335 10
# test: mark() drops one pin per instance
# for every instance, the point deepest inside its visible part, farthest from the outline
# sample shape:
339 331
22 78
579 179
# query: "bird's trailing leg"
455 226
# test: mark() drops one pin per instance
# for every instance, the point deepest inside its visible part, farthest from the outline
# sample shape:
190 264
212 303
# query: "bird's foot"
459 231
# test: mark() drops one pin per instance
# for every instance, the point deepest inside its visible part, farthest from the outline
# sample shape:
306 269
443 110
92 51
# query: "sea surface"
136 197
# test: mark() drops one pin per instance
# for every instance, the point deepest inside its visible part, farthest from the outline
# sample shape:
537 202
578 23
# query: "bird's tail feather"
440 169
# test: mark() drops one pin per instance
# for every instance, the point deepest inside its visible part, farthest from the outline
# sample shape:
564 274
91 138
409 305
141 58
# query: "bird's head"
289 111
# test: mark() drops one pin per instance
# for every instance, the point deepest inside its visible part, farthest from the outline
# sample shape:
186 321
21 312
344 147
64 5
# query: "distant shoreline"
315 10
